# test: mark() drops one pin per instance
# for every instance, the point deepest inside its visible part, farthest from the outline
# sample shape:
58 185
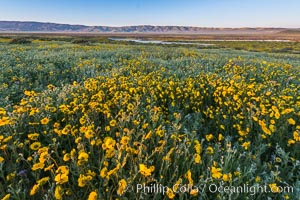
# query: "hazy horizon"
116 13
74 24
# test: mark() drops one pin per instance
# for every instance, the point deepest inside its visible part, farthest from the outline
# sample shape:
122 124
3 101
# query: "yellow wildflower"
220 137
145 170
89 134
216 172
274 188
122 187
209 137
6 197
83 180
42 181
67 157
108 143
227 177
113 123
197 158
296 136
93 195
194 192
82 158
35 146
33 136
188 175
49 167
197 146
58 192
257 179
43 157
209 150
45 121
246 145
103 172
125 140
37 166
62 173
170 193
291 121
34 190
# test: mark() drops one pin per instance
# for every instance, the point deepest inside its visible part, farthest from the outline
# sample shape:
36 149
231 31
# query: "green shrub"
20 41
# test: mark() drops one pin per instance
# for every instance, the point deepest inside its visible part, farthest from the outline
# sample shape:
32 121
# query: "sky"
201 13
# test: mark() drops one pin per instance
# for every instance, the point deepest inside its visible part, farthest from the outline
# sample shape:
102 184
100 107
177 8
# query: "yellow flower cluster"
146 171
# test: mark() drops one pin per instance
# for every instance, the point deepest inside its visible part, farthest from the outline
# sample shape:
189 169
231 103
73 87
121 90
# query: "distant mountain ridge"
27 26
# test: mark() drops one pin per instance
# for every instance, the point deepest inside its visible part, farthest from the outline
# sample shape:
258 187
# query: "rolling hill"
20 26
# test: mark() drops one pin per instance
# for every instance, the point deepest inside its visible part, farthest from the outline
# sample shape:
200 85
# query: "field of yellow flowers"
121 121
